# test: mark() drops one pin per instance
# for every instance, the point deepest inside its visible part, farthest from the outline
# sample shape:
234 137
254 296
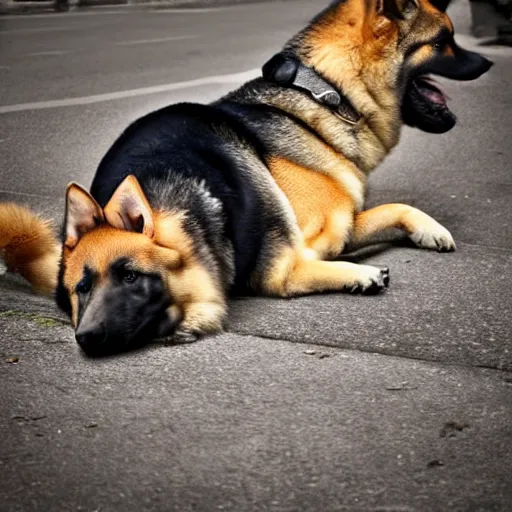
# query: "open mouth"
425 106
427 87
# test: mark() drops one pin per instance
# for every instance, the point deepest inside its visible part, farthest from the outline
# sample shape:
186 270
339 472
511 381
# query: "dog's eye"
441 41
84 286
129 276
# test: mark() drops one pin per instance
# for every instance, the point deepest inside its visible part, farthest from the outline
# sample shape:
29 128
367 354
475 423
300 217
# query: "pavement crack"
375 352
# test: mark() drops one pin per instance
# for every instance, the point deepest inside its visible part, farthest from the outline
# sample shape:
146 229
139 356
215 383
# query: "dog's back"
182 152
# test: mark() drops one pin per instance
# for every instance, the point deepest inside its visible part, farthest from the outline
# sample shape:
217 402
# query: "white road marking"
97 98
194 11
38 29
49 52
135 42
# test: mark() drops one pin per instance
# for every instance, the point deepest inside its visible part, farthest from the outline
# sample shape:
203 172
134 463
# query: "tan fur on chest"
337 142
323 209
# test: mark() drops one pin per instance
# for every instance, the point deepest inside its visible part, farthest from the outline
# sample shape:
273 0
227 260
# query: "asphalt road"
396 402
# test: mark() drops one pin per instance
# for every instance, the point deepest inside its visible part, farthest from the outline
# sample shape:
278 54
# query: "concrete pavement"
396 402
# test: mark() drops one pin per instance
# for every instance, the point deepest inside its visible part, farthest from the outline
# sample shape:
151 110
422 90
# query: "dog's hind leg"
422 229
294 273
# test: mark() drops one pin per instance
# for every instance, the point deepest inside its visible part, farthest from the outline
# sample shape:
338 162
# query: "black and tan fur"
259 190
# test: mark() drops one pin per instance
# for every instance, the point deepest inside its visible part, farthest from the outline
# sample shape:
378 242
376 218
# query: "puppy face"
117 285
114 280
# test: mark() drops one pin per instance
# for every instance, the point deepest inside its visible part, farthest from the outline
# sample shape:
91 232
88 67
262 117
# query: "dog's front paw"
186 336
431 235
181 336
374 280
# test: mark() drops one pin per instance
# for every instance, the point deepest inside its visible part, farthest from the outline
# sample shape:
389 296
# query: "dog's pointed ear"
83 213
396 9
129 208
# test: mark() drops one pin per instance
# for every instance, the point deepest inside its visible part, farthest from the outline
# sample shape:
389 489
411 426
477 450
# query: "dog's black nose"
91 340
489 64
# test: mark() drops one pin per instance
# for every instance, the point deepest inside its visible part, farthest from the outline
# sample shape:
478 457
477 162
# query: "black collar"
288 71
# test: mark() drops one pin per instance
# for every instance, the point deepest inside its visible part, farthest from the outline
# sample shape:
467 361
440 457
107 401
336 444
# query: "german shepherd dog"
259 190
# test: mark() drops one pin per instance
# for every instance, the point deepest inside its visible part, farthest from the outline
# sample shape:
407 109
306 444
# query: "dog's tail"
29 246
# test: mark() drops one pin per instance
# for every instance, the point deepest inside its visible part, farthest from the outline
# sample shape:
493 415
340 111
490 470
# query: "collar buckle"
288 71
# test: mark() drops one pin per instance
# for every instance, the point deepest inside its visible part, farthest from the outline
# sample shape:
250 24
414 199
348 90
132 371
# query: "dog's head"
116 273
384 51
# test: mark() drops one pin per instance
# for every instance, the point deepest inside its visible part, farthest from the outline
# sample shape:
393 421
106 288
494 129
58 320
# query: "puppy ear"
83 213
396 9
129 209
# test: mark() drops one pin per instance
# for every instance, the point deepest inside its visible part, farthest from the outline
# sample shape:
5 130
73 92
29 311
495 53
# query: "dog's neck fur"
353 48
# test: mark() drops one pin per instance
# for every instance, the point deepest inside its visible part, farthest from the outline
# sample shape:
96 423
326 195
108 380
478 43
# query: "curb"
46 6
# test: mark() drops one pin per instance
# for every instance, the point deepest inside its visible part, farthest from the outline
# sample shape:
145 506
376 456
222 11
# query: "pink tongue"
434 96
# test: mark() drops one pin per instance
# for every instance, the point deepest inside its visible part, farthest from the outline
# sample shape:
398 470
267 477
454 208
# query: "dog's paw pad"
435 237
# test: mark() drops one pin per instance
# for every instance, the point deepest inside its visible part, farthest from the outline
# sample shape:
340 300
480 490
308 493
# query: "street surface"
396 402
